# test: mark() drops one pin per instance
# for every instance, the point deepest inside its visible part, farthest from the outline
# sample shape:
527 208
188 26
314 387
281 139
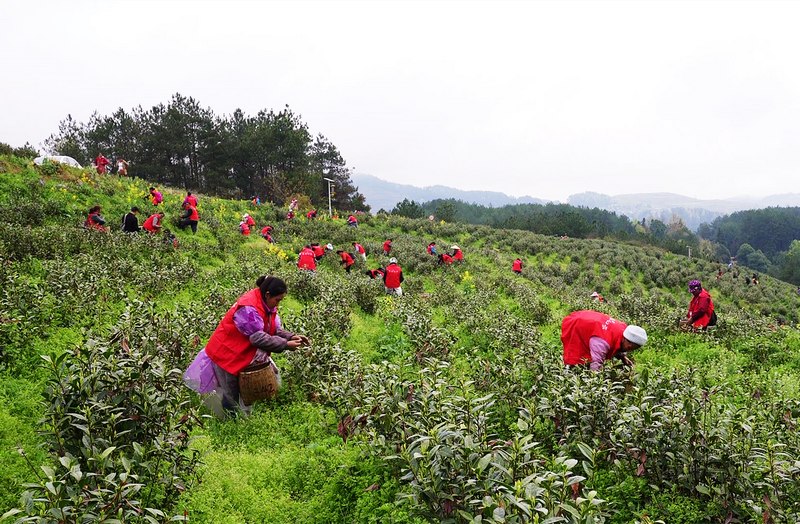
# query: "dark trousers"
186 222
229 388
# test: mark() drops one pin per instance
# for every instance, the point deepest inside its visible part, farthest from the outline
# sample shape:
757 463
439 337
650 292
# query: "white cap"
595 294
393 260
636 335
330 246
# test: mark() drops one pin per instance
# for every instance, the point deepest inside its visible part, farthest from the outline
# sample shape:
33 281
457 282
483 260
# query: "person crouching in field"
591 337
95 221
248 334
346 260
701 308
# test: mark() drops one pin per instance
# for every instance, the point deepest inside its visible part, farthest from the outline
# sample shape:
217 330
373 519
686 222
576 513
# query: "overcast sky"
545 99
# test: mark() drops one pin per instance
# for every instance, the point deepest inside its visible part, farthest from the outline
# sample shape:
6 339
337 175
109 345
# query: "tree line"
272 155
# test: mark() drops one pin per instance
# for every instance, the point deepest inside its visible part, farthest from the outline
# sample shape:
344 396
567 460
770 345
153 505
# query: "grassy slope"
286 463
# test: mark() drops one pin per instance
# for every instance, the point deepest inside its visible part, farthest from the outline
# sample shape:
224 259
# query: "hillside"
449 404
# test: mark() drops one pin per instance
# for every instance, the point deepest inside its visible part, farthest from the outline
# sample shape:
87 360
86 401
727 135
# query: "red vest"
387 246
191 200
306 260
347 259
193 215
392 276
359 249
694 306
148 224
317 250
517 265
228 347
447 259
578 327
244 228
458 255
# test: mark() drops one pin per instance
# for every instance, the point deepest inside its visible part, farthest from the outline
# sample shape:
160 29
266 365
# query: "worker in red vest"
306 259
244 228
266 234
445 259
347 260
701 308
352 221
591 337
516 266
360 251
457 255
375 273
432 249
392 278
248 334
318 251
190 199
387 247
190 217
153 223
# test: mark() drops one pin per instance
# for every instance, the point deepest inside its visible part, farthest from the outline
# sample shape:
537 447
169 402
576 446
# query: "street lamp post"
330 209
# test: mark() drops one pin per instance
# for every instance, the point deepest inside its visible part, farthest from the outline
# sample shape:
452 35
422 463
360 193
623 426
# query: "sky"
537 98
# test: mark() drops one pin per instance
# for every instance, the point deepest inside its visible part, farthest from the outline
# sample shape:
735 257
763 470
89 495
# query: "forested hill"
450 403
272 155
772 231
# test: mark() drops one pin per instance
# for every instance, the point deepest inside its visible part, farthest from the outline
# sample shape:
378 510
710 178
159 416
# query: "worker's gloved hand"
260 357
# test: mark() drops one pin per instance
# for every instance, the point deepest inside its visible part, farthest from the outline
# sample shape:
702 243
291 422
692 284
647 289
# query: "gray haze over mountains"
662 206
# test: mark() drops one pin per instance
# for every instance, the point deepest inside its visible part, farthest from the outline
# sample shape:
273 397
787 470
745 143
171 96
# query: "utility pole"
330 209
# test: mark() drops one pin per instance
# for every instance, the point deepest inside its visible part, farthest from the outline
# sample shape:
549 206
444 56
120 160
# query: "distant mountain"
692 211
381 194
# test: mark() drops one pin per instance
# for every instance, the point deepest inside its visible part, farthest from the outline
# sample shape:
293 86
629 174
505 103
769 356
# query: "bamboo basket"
257 382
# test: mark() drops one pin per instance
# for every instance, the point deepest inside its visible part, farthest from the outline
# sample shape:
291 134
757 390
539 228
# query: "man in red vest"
701 308
387 246
190 217
306 259
360 251
392 278
516 267
591 337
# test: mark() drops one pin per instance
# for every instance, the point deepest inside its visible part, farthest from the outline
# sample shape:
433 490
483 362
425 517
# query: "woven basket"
257 382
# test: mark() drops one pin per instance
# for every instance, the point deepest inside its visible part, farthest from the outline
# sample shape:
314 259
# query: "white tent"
68 160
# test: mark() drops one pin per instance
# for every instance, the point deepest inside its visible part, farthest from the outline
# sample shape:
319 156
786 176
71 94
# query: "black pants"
186 222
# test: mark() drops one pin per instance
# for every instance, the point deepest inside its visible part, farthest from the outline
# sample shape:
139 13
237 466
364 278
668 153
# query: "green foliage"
447 404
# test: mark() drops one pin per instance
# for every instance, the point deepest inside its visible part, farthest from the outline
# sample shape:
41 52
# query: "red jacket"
393 276
517 266
347 259
578 327
700 309
230 349
387 246
458 255
306 260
